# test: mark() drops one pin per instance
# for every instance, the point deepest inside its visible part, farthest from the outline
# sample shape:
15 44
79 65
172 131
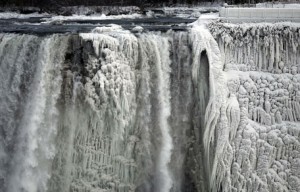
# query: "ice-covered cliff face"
212 109
261 151
105 111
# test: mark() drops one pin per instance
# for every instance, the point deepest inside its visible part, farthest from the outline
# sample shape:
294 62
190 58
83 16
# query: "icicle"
278 117
233 115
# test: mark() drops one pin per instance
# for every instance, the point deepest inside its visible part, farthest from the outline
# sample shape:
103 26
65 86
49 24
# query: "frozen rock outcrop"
213 108
261 63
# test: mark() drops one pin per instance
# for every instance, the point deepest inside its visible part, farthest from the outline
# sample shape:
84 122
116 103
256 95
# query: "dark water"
35 25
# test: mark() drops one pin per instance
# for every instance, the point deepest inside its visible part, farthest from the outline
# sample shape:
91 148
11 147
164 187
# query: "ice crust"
261 64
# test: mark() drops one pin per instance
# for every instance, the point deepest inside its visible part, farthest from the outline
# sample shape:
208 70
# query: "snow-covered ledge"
260 14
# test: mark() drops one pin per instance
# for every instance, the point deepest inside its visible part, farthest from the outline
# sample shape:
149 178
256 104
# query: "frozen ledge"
260 14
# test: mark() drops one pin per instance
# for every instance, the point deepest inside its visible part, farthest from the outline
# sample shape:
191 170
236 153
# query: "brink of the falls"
212 108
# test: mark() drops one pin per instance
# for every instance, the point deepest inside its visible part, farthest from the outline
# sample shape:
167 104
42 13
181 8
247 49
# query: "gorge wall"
261 62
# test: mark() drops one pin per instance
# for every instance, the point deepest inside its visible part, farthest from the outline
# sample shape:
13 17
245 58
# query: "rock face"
109 110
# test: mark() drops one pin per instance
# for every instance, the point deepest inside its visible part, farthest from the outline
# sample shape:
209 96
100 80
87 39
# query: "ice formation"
212 108
54 18
261 62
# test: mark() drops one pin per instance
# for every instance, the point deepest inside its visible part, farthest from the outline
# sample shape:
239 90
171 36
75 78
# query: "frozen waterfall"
212 108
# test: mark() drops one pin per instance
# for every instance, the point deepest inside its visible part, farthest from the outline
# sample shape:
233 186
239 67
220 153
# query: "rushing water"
31 81
115 111
101 111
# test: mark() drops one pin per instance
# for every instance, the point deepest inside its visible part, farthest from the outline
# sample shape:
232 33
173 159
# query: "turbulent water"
111 110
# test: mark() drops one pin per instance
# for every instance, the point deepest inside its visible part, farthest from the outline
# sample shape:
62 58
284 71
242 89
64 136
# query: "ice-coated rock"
212 108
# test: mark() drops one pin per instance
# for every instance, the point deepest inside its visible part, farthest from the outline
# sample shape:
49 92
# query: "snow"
210 16
205 19
188 12
10 15
94 10
260 14
91 17
137 29
278 5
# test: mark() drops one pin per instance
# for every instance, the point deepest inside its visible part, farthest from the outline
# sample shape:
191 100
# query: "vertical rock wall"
261 62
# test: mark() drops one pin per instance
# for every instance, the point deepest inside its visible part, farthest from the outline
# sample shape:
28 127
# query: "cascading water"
31 81
111 110
163 178
93 111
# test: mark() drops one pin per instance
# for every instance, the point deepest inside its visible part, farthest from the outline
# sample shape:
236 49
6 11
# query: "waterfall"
94 111
107 110
29 142
163 180
179 111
